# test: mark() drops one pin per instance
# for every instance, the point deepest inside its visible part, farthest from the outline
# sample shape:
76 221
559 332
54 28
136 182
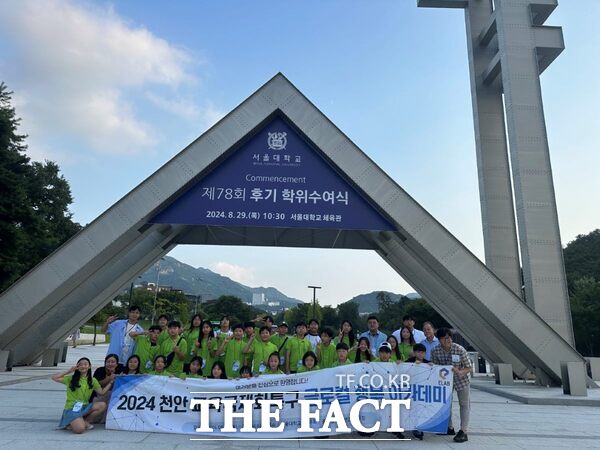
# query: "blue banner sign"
276 179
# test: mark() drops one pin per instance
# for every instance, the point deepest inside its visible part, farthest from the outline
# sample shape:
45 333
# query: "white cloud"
74 65
237 273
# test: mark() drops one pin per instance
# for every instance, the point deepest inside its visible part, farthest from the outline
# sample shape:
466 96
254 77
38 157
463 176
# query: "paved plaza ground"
31 405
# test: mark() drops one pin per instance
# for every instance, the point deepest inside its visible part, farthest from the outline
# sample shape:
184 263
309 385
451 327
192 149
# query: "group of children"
244 351
247 350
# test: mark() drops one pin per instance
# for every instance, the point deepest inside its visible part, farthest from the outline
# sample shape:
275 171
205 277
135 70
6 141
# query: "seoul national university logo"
277 140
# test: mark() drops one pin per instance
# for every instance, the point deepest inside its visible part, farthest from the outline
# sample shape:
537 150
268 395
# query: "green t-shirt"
190 336
327 355
249 356
261 352
82 393
220 338
363 357
273 372
166 347
297 348
205 353
234 357
164 334
405 350
146 351
338 363
346 340
281 342
164 373
306 369
394 358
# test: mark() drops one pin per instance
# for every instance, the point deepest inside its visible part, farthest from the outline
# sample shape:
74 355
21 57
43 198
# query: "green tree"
348 311
231 306
384 301
329 317
34 216
582 266
423 312
15 213
300 313
582 258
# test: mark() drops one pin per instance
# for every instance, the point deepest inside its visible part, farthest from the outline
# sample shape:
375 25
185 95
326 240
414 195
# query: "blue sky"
113 90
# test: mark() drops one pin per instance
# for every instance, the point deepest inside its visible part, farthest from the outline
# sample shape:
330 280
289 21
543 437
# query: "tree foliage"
231 306
34 215
582 258
582 266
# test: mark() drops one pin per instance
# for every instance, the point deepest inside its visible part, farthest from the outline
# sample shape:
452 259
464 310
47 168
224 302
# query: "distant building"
258 299
161 288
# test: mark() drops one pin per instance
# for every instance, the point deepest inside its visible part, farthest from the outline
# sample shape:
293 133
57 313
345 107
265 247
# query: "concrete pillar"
503 374
63 352
593 368
4 356
535 202
50 357
474 357
574 378
493 169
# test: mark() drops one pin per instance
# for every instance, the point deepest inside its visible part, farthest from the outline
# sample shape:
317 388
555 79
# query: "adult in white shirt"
408 321
121 343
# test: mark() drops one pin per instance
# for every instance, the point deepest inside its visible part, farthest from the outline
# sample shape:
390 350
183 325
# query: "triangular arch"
77 279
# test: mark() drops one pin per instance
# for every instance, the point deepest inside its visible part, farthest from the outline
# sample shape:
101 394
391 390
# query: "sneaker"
451 432
418 435
461 436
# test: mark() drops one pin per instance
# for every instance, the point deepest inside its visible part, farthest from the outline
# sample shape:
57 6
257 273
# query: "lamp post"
156 290
314 288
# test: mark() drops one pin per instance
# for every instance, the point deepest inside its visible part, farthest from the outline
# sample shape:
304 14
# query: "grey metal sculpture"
508 50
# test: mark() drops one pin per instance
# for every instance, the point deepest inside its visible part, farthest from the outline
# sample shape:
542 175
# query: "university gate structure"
276 172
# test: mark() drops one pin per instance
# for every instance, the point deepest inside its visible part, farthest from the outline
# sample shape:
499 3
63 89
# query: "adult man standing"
450 354
409 322
375 337
121 342
430 341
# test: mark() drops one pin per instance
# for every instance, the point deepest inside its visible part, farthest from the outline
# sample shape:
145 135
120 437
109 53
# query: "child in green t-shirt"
261 349
147 346
206 347
326 354
281 339
194 369
273 365
159 368
309 362
233 347
191 335
174 348
163 323
342 355
297 347
78 412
